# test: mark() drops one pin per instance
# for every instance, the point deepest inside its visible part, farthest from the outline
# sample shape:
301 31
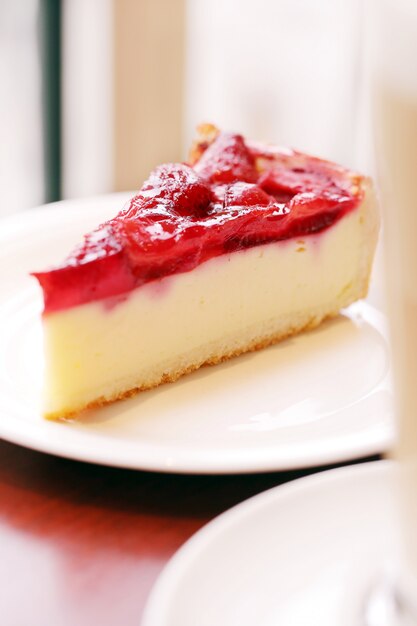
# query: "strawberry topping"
184 215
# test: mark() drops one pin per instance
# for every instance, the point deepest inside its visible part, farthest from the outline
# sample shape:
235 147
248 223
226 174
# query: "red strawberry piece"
227 160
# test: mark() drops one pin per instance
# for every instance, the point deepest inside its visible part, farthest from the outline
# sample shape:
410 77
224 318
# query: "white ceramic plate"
319 398
303 554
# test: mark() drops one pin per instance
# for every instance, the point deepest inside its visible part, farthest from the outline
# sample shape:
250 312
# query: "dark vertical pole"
50 43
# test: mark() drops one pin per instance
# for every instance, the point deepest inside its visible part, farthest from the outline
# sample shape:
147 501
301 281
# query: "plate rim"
369 447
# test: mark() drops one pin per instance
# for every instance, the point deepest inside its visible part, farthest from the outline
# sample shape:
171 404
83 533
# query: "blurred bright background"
94 93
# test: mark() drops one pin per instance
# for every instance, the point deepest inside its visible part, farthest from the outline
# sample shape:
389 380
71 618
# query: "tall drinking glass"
394 68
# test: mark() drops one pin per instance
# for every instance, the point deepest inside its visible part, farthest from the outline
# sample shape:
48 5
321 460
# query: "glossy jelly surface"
234 197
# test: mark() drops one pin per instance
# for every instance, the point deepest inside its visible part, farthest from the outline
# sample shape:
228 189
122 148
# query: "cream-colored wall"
149 39
287 71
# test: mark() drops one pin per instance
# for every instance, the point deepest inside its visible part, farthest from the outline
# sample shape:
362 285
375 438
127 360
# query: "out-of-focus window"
87 97
21 144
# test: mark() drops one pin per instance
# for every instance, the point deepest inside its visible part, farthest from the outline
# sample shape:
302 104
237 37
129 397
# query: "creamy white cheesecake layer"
97 352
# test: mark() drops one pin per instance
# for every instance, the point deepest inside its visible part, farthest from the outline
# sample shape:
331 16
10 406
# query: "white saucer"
322 397
303 554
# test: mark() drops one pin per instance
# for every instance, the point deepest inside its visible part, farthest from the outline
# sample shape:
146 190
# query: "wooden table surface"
82 544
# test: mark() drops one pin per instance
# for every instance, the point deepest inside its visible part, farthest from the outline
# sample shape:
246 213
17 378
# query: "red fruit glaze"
186 215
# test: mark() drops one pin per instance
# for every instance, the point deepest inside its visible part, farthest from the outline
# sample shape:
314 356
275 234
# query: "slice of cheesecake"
242 247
